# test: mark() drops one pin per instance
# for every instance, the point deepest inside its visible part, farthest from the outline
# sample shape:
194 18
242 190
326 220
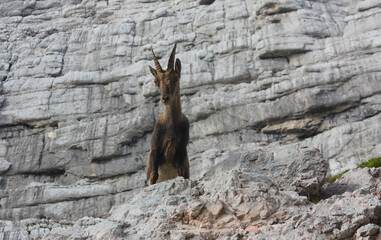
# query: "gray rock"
240 197
290 168
367 231
78 106
361 179
66 233
4 165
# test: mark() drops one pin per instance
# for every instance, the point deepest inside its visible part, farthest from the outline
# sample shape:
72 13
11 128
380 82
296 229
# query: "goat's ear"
178 66
153 71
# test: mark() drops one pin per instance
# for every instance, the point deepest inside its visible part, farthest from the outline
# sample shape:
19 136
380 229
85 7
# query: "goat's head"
167 81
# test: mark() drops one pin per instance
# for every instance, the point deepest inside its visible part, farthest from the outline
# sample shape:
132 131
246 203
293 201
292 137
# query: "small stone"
194 210
253 228
215 209
4 165
368 230
205 2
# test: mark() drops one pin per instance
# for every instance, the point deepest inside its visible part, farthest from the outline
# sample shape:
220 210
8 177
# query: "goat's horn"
171 61
157 64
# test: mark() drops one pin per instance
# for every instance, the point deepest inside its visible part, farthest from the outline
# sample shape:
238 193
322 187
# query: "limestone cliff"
78 104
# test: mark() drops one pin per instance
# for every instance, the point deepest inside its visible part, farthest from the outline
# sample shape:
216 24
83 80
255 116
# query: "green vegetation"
315 200
372 163
334 178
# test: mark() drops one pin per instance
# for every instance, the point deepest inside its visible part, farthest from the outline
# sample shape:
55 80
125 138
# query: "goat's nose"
164 98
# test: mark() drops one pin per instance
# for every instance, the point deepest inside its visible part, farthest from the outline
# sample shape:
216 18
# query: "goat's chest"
170 144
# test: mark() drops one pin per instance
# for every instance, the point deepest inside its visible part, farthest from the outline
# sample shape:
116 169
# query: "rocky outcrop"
250 195
78 105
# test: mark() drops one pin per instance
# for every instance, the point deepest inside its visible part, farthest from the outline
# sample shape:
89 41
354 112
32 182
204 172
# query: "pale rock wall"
262 194
78 104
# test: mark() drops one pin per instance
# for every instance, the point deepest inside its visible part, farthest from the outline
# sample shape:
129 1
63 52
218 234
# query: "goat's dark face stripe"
168 85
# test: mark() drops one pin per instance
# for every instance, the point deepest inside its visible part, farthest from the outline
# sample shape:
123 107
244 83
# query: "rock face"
239 199
78 105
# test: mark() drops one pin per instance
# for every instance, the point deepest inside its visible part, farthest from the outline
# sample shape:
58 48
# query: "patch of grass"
372 163
315 200
334 178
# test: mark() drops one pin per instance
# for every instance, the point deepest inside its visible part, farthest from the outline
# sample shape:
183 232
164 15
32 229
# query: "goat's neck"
172 111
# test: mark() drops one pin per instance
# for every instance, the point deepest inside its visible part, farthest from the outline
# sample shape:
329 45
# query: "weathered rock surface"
78 104
239 199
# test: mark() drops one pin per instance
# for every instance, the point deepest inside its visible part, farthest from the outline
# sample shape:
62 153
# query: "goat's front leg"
153 161
182 155
153 177
152 168
183 164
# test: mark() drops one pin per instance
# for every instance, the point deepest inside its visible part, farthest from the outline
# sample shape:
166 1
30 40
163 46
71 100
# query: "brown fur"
168 156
